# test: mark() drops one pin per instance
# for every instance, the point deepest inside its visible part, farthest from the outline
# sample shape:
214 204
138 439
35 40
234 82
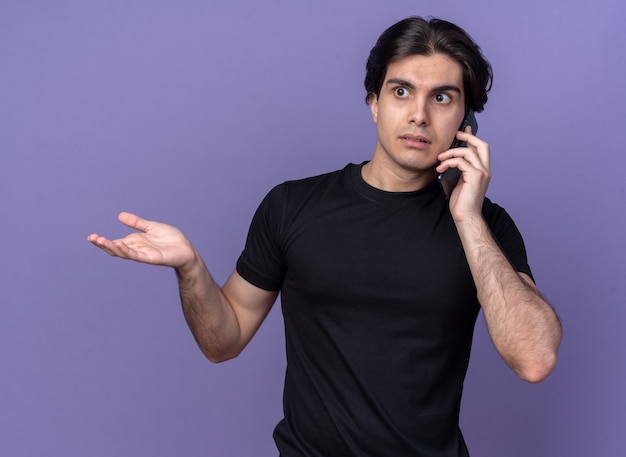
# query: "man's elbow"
537 370
218 359
219 356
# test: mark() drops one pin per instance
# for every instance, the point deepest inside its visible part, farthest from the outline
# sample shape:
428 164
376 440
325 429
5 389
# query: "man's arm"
222 320
523 326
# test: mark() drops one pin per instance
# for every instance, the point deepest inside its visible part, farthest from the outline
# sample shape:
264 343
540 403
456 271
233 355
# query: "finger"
478 145
455 162
467 163
92 238
135 222
99 241
456 156
102 243
121 249
115 248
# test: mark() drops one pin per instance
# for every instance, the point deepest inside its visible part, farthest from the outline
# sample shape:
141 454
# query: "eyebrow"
443 88
400 82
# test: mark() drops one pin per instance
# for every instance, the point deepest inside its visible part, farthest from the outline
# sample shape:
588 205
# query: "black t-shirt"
379 308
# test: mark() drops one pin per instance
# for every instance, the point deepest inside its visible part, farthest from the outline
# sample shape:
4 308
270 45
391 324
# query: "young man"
381 273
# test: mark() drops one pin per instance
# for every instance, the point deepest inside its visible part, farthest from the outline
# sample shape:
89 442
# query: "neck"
396 179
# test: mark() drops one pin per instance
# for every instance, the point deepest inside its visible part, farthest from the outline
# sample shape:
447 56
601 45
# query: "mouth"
415 139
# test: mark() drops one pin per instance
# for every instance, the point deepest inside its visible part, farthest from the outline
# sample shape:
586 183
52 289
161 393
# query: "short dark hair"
416 35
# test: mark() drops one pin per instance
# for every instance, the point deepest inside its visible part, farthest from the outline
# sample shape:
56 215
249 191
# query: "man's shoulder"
494 212
304 194
320 181
328 176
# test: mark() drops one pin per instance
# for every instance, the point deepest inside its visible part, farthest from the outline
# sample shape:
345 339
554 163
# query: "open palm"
154 243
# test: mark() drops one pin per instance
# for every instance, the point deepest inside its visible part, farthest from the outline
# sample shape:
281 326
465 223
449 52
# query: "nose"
419 115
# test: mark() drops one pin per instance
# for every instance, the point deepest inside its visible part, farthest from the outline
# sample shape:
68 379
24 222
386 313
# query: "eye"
401 92
442 98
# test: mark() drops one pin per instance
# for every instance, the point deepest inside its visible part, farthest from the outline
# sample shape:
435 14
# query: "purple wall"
188 112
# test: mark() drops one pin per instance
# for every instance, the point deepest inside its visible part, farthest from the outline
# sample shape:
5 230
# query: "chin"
419 166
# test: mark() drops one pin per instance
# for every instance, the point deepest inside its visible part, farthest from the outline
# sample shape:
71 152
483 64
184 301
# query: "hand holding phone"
451 175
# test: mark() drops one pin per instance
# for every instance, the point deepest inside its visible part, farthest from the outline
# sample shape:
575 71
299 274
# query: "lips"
415 140
419 138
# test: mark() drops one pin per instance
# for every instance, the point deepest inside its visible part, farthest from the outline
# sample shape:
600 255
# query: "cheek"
384 126
387 119
452 126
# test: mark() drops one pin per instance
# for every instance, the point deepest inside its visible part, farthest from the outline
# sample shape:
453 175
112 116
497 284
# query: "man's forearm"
522 325
209 316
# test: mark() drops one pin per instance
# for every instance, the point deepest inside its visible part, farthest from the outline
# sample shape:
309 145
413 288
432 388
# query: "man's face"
419 109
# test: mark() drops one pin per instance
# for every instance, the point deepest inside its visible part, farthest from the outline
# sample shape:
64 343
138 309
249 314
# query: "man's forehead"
426 71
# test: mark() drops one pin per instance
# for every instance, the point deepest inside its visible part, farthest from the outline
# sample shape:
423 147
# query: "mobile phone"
452 174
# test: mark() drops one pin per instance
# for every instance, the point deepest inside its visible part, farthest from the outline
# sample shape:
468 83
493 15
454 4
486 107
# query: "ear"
373 101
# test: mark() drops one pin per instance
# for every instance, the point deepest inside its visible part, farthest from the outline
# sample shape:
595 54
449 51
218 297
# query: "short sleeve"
507 235
262 262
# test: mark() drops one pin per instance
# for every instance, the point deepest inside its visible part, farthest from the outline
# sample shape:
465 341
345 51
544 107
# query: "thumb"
135 222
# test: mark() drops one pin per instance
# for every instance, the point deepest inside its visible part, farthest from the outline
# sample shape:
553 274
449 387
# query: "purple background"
188 112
